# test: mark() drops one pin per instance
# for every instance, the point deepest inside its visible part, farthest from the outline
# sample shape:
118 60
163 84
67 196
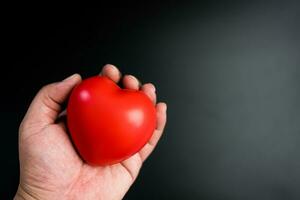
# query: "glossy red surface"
107 123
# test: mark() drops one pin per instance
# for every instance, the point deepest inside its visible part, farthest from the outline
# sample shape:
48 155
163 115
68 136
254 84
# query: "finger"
132 165
111 72
131 82
46 105
149 90
161 109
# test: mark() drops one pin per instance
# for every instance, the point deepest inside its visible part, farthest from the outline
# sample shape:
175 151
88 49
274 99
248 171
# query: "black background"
229 71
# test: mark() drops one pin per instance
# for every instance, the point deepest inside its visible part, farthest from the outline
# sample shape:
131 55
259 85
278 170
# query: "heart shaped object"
108 124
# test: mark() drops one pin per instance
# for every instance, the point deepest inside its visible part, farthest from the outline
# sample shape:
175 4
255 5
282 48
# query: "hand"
50 167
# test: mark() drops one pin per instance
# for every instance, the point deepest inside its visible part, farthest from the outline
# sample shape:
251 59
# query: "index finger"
111 72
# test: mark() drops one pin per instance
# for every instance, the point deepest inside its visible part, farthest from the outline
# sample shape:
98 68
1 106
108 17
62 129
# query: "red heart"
109 124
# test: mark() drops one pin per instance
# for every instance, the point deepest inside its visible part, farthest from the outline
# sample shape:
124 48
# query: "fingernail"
69 78
120 73
165 107
112 66
139 82
153 88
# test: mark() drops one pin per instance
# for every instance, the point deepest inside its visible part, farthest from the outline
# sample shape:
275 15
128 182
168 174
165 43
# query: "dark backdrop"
229 71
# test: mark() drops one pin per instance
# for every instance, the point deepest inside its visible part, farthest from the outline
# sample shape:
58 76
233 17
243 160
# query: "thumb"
46 105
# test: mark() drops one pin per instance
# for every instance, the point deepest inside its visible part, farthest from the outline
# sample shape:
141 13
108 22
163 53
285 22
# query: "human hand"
50 167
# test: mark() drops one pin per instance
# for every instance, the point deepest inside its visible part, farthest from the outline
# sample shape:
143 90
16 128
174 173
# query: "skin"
50 167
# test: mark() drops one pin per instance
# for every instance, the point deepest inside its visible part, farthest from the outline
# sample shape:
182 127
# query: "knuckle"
45 96
47 88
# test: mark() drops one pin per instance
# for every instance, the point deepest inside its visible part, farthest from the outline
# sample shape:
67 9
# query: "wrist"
23 195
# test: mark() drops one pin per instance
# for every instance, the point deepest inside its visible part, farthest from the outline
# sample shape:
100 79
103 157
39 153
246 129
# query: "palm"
50 166
59 163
